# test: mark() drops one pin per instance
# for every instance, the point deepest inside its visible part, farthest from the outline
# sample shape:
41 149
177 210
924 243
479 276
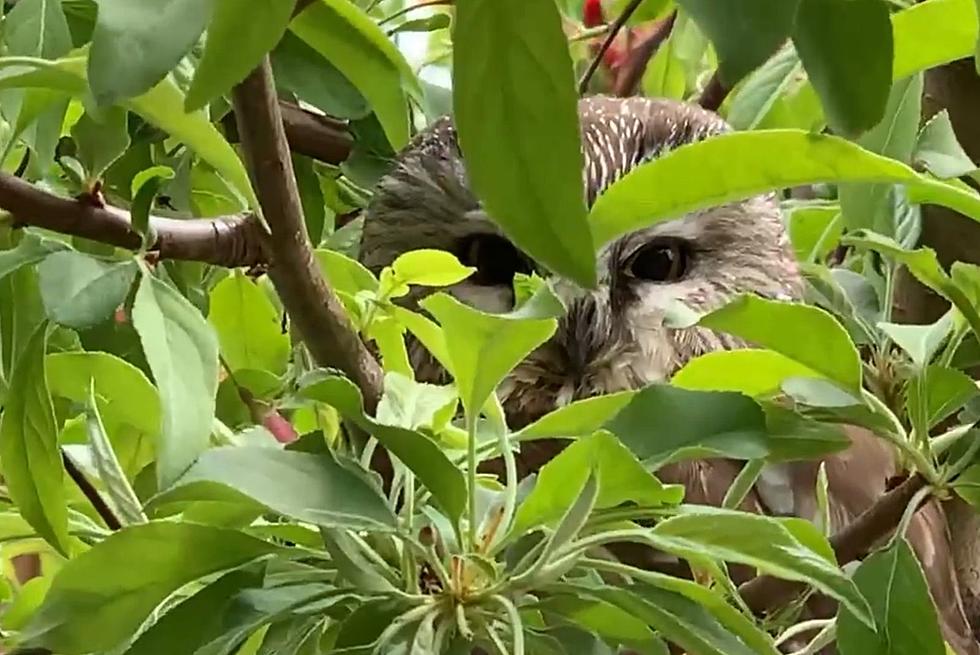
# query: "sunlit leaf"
577 419
249 328
431 268
522 145
750 371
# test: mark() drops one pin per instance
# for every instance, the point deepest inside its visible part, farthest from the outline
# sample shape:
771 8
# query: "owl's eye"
662 260
495 259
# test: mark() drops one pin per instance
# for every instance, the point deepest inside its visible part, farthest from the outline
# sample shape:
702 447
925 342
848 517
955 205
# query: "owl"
614 337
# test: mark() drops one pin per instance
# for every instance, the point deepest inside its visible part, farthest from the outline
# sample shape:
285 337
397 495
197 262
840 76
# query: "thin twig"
640 54
411 8
91 493
614 30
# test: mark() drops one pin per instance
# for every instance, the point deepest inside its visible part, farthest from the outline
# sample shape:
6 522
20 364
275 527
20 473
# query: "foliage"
239 470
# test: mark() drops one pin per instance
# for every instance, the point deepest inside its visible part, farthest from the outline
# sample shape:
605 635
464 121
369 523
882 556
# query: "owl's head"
612 338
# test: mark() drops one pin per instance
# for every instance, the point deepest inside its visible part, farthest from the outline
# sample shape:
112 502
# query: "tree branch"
309 301
714 93
640 54
766 593
227 241
321 137
614 30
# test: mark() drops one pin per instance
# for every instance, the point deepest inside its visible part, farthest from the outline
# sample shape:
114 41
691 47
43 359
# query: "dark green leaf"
101 140
523 153
760 91
145 186
101 597
240 33
249 328
830 35
762 542
32 466
29 250
37 28
428 24
182 351
939 151
893 583
621 478
419 453
936 393
137 42
308 487
301 70
79 291
744 34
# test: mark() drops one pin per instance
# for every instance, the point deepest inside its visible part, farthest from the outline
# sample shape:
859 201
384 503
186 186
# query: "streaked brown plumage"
613 338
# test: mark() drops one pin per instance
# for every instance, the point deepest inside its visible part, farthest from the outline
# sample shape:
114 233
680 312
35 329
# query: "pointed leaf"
79 291
750 371
939 151
248 326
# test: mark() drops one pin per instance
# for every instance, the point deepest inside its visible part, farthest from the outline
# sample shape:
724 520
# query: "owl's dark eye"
662 260
495 259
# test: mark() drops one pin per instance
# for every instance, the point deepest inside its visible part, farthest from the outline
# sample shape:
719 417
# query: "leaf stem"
516 625
471 480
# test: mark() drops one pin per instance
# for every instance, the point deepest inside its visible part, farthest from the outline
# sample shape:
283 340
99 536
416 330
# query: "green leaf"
744 35
750 371
620 476
830 35
240 33
411 405
675 617
313 488
430 268
522 149
597 616
182 352
920 342
101 141
32 466
79 291
761 542
113 477
872 206
936 393
938 150
419 453
807 335
300 69
930 34
483 348
29 250
756 96
360 50
101 597
37 28
815 231
344 273
577 419
428 24
248 326
739 165
892 582
137 42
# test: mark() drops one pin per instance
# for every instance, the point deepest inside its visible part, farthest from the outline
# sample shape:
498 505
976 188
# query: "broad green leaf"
137 42
807 335
248 326
79 291
920 342
936 393
32 466
37 28
101 140
662 422
313 488
794 437
893 584
344 273
360 50
756 96
739 165
182 352
873 206
762 542
830 35
113 477
124 394
577 419
938 150
29 250
597 616
483 348
419 453
427 332
430 268
750 371
101 597
929 34
620 476
522 146
815 231
240 33
744 34
675 618
300 69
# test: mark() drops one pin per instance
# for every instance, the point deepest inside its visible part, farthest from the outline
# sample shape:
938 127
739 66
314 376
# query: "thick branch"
228 241
321 137
640 54
765 593
314 308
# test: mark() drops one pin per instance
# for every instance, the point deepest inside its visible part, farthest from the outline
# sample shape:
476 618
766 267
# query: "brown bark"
314 135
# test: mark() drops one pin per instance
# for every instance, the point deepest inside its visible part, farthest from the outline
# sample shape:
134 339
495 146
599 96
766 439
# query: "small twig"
614 30
640 54
410 8
91 493
714 93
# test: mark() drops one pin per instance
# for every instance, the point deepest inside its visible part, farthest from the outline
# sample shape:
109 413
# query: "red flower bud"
592 15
